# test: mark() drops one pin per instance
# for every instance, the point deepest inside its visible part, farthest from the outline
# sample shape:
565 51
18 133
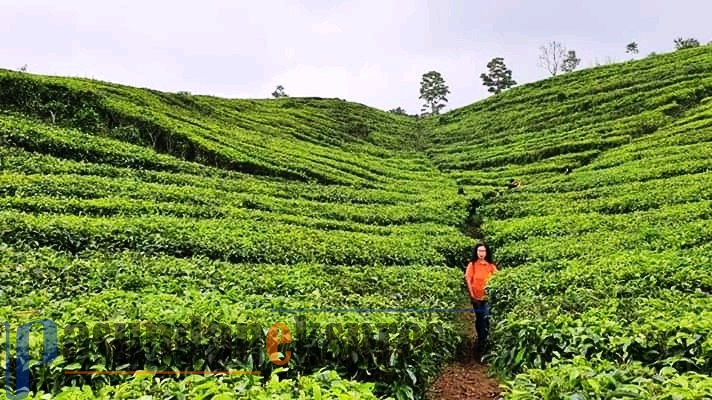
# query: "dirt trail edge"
466 378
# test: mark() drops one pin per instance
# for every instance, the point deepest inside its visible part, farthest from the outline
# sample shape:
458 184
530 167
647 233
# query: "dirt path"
465 380
467 377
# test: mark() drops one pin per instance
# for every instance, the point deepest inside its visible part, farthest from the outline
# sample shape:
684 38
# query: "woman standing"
477 274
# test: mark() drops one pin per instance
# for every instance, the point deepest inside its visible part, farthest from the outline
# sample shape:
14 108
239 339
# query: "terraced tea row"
239 135
32 135
247 206
327 385
119 195
114 295
237 240
19 161
131 205
525 126
611 199
609 231
651 309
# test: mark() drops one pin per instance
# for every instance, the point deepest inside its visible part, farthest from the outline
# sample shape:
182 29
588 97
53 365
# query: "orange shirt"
476 275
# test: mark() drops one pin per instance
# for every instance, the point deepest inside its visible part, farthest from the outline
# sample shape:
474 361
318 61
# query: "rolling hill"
125 207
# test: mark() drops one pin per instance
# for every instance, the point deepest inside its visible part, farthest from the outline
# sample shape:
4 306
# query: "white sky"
369 51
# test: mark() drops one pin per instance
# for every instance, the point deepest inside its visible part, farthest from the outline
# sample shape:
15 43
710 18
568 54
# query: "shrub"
87 119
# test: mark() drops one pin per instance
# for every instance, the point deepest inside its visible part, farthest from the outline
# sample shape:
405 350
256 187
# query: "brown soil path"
465 381
466 378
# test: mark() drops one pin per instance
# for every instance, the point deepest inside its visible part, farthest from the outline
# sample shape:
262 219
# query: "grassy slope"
187 189
126 204
610 262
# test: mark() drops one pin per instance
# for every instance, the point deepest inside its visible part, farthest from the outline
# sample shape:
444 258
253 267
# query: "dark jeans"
481 322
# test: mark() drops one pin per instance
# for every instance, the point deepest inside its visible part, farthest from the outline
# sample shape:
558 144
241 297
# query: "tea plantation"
175 231
607 291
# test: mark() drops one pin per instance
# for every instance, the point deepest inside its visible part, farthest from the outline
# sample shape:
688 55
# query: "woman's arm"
469 273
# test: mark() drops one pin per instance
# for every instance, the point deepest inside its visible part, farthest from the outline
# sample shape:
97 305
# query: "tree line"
554 57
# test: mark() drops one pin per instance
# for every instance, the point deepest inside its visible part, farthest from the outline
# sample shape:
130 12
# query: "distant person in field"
477 273
514 184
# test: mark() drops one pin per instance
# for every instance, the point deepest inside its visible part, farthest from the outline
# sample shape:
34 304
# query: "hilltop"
126 205
122 204
606 243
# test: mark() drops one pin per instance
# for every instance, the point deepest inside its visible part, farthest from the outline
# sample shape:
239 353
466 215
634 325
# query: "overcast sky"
372 52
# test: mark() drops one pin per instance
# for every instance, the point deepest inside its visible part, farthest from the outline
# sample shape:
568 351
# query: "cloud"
368 51
325 28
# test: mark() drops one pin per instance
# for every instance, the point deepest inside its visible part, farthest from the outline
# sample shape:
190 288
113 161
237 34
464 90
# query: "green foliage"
499 77
631 48
279 92
124 205
434 91
135 205
570 62
127 133
596 379
87 119
398 111
688 43
326 385
358 129
168 292
604 249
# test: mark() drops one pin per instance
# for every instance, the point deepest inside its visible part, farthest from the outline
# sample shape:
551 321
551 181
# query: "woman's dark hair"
488 256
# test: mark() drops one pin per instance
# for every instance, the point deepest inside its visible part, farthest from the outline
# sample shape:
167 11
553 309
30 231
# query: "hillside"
128 205
608 266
